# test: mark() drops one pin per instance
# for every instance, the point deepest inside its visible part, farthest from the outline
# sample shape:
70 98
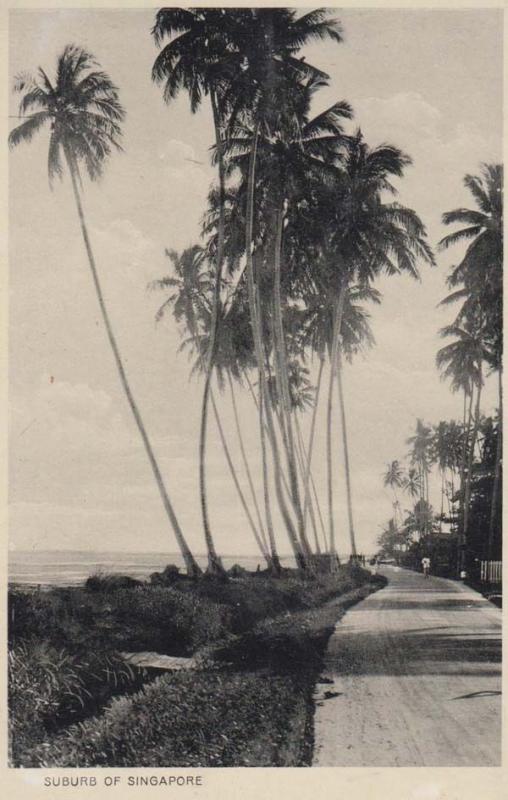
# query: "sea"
73 567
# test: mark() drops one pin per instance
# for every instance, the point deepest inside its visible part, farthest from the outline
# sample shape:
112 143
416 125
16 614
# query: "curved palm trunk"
266 491
319 512
276 565
190 563
232 470
214 562
311 442
442 500
245 460
255 312
474 435
304 467
337 322
345 446
282 378
497 472
467 416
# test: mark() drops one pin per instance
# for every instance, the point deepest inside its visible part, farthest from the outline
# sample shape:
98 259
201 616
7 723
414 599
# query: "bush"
110 583
167 577
181 720
279 627
139 618
49 688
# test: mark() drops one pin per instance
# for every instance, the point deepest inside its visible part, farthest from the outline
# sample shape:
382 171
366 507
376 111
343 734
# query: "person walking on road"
426 566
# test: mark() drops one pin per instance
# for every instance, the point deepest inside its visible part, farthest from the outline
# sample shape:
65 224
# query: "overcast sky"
429 81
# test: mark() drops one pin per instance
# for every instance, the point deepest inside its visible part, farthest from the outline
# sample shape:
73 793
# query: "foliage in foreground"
214 717
240 717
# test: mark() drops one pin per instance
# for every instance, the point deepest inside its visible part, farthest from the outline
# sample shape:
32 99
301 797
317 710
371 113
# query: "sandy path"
412 678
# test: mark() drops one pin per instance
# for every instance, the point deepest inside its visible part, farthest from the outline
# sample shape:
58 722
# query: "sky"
428 81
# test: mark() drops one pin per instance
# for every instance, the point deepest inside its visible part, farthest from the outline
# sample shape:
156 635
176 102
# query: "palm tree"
292 149
412 482
274 36
421 448
478 279
394 478
191 287
365 237
84 113
196 60
463 360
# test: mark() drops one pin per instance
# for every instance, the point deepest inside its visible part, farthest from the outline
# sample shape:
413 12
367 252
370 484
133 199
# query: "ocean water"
71 567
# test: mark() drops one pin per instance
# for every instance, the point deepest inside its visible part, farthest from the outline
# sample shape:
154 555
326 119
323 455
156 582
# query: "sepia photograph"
255 341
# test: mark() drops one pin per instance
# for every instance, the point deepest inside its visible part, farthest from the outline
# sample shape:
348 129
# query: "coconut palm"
365 237
270 54
191 290
412 482
196 61
394 478
82 108
477 280
291 149
420 454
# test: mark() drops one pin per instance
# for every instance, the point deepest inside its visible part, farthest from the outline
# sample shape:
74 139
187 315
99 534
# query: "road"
412 678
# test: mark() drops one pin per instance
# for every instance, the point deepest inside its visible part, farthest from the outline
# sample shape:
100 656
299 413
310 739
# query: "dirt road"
412 678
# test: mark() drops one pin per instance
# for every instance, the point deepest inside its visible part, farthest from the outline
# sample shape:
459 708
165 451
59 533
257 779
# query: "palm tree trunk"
232 470
303 464
282 378
442 500
191 565
462 477
337 322
245 460
255 311
476 426
311 442
345 446
266 490
319 512
497 472
214 562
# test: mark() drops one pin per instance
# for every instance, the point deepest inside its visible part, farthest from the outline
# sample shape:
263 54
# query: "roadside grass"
249 704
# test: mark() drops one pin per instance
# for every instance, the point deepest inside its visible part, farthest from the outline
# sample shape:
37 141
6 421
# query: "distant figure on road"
426 566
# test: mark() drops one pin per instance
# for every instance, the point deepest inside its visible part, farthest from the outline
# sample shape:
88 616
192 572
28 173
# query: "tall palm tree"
196 60
394 478
84 113
477 280
420 453
463 360
366 236
412 483
292 149
273 38
191 289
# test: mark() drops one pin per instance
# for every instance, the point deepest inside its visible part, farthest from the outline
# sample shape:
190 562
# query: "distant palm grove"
300 223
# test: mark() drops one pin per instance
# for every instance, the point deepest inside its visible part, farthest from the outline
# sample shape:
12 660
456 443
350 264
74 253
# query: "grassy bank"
258 641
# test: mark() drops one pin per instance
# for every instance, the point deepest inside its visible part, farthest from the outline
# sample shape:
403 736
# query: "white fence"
491 571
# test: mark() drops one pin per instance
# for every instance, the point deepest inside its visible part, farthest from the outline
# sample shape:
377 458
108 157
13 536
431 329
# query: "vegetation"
466 453
253 637
298 227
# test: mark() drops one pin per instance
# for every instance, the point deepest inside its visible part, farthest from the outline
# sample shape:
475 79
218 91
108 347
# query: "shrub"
49 688
181 720
100 582
143 617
